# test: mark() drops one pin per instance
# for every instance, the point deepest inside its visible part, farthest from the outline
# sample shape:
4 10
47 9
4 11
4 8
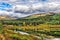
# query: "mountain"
38 15
44 18
6 18
35 19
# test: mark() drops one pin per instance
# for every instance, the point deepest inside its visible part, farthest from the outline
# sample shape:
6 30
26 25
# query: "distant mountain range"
7 17
39 14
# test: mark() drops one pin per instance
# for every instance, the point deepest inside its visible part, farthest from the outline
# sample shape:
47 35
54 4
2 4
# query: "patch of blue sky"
4 5
1 8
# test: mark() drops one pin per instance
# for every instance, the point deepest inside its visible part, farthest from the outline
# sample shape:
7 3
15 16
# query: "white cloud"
9 0
37 6
24 8
18 15
4 13
50 5
53 5
12 0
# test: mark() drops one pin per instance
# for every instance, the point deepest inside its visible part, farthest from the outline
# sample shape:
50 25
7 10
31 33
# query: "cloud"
26 9
22 8
37 6
4 13
52 6
43 6
15 15
12 0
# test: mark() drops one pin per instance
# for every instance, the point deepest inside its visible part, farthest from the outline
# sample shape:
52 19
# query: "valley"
33 27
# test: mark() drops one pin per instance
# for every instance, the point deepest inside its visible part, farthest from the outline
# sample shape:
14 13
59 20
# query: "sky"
23 8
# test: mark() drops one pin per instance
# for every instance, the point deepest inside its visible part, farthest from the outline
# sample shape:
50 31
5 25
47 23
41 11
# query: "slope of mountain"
37 24
47 18
37 15
6 18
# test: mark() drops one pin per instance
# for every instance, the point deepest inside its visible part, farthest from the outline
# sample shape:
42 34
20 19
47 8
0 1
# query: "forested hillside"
36 28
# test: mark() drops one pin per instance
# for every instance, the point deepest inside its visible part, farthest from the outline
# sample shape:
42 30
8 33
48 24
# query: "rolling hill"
45 18
39 14
6 18
35 19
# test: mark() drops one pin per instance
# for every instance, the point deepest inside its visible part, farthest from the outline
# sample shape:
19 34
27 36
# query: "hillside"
6 18
39 14
48 18
45 26
51 18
